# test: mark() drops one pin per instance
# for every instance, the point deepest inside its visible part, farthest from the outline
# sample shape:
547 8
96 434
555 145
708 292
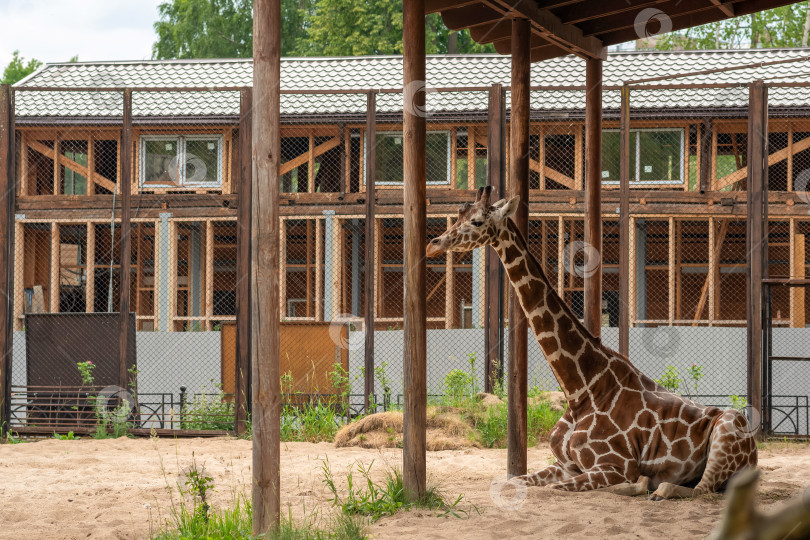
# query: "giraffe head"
478 224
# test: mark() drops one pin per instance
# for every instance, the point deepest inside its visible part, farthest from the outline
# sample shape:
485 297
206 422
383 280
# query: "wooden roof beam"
470 17
577 13
725 7
436 6
548 25
504 45
496 31
695 18
622 20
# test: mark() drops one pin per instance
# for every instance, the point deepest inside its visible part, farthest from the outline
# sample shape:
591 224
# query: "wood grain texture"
264 275
415 348
243 260
368 277
593 197
7 156
519 186
125 185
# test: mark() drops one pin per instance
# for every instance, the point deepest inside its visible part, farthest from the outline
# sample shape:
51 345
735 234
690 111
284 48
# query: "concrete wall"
720 351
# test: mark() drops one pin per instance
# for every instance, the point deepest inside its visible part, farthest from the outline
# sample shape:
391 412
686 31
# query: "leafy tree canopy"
785 26
224 28
18 69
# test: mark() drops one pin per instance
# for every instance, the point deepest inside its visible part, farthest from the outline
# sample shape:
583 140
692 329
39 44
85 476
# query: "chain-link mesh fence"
687 170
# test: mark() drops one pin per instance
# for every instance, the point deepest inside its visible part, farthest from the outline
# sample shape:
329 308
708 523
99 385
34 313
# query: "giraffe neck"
570 350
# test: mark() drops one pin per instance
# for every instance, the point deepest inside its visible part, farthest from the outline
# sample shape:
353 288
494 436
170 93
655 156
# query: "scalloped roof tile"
386 72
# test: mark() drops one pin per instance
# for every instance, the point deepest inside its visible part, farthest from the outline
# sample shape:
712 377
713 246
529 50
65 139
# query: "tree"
204 29
224 29
785 26
18 69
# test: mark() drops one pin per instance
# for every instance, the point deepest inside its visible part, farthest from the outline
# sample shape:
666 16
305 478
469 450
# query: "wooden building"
688 170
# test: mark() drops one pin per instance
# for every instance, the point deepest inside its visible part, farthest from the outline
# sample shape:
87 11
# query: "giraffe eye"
477 223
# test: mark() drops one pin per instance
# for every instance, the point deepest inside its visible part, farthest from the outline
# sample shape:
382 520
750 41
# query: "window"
388 158
656 156
178 161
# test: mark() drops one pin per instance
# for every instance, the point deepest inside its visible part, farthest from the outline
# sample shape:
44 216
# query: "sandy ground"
118 489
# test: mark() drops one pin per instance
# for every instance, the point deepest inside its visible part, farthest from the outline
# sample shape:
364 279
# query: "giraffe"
622 431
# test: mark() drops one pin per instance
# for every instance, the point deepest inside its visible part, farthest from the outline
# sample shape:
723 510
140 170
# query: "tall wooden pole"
126 245
264 271
756 237
7 207
519 185
593 196
624 225
493 285
243 260
415 353
371 137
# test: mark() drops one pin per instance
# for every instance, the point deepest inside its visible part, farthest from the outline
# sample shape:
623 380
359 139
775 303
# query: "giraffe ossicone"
622 431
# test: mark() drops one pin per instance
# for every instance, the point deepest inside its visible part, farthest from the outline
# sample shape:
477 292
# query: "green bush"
206 411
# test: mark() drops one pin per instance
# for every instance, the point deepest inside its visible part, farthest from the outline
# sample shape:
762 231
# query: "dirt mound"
488 400
445 431
555 400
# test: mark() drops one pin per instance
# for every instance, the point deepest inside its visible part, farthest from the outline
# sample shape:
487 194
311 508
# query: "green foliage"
738 402
86 371
204 29
384 382
18 69
208 411
457 384
224 29
670 379
378 500
69 437
491 423
779 27
695 373
8 437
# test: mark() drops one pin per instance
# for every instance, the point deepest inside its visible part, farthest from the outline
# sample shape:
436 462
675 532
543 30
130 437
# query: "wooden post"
209 274
53 287
519 185
714 254
126 246
243 261
756 238
368 278
493 270
90 268
19 275
7 208
449 288
592 308
414 209
624 225
264 248
706 131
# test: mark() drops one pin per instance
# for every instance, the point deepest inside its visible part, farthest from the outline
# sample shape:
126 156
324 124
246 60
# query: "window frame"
447 132
681 177
181 140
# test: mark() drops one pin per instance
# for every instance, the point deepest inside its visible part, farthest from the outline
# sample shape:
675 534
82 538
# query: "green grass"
375 500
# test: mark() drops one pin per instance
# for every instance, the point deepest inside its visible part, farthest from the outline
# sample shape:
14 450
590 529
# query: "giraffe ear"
508 208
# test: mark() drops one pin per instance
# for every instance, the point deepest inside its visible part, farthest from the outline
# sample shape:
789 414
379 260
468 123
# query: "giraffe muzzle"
434 248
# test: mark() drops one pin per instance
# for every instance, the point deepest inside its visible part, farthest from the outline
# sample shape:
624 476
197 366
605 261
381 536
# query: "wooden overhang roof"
585 27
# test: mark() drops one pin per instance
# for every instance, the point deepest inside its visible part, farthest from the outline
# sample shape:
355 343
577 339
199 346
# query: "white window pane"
160 162
202 160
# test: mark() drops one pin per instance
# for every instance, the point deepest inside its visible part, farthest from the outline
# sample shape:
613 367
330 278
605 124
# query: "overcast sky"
56 30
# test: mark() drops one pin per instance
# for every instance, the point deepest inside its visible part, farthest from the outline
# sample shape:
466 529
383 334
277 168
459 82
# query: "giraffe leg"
543 477
601 476
731 448
641 487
